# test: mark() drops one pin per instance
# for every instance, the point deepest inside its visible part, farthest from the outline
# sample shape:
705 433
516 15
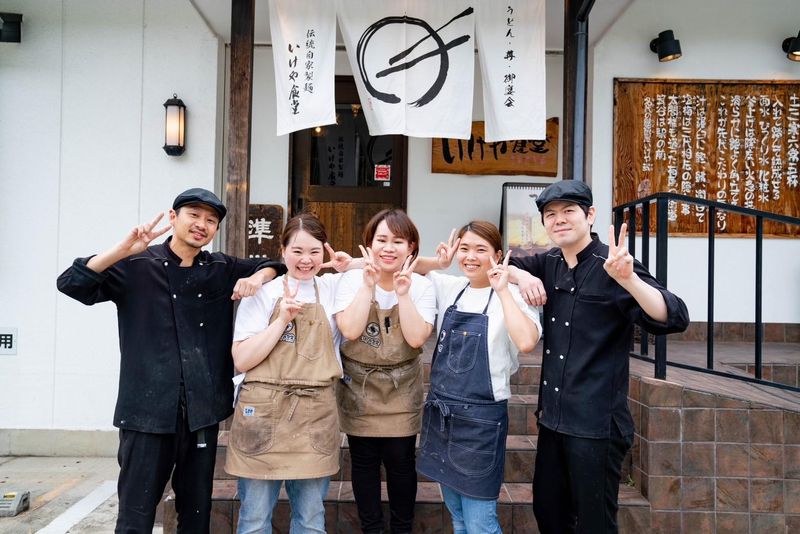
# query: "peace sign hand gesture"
289 306
140 237
619 264
402 278
339 261
498 274
446 251
372 273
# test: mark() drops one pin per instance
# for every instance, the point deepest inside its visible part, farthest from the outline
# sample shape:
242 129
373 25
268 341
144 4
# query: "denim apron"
464 429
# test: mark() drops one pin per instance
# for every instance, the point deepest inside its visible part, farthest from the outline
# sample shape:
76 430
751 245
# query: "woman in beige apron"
386 313
285 425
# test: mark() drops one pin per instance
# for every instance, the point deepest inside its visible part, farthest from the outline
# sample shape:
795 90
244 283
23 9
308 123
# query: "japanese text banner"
414 64
511 47
303 49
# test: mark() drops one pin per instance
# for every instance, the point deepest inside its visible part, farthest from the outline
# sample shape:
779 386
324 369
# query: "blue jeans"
471 516
258 499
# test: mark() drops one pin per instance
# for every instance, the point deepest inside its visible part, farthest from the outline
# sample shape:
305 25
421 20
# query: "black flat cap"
567 191
198 195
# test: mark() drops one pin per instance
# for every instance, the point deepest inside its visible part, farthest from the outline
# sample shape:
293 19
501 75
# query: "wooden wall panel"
731 141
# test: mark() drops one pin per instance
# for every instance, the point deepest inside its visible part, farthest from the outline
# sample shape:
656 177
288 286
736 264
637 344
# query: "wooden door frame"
399 164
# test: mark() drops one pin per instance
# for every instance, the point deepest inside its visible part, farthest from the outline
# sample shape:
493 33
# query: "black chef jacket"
588 333
175 327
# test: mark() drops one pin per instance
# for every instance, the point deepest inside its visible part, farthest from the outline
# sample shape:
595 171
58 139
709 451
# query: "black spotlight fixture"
666 46
791 45
11 30
174 126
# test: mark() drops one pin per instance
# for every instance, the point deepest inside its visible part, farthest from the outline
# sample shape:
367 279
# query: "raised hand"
619 264
140 237
289 306
402 278
372 273
446 251
498 274
339 261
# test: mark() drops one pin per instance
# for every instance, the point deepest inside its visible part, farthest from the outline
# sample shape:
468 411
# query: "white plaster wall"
720 39
81 129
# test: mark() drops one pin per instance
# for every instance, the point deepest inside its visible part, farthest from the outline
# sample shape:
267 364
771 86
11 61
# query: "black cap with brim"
198 195
565 191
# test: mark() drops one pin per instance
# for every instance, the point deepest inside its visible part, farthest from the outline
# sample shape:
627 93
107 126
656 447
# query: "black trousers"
576 482
146 462
399 461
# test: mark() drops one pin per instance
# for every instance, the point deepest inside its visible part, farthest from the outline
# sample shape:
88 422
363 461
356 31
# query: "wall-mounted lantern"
11 29
174 126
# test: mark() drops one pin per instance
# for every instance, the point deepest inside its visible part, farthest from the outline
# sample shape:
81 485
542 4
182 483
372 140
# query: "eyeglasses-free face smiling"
473 258
303 256
567 225
388 249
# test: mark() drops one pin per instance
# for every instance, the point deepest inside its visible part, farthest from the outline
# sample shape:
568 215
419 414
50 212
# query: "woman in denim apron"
484 323
386 313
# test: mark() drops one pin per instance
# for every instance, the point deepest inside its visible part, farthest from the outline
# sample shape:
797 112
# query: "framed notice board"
520 221
735 142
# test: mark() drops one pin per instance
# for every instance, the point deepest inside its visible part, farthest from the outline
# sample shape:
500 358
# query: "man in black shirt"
593 294
175 318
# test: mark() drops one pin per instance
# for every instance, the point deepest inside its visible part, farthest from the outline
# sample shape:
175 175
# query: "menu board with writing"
734 142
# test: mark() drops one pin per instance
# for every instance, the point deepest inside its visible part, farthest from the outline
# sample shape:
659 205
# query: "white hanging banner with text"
511 48
413 62
303 49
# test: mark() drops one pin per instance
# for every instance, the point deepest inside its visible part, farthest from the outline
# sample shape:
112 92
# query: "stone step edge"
514 442
427 493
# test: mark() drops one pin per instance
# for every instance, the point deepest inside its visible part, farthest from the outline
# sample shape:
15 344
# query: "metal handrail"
662 230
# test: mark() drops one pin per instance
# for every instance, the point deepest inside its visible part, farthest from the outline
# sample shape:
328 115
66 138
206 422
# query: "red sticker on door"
383 173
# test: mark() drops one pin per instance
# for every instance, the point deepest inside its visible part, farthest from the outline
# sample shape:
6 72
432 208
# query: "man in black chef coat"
175 318
593 294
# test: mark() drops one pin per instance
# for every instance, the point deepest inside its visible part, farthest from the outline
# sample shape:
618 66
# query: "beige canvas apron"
381 392
285 423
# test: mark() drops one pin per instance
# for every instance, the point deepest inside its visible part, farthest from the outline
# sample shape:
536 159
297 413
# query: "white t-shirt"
422 294
254 312
503 354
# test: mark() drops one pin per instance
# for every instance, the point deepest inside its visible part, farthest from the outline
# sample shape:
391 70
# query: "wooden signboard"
264 227
735 142
476 156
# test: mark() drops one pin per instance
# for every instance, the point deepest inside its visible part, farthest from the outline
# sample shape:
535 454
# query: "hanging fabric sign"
511 43
413 62
303 49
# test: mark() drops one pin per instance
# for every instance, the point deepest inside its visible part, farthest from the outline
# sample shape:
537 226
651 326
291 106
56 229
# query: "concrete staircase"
431 516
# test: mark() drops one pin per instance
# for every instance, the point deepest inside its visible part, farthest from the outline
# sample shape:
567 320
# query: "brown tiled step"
431 516
522 433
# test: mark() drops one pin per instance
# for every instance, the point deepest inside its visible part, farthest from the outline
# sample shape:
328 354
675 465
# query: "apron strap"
491 292
371 370
297 393
444 411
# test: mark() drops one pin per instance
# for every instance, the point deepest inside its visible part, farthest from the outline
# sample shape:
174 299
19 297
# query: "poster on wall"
476 156
520 221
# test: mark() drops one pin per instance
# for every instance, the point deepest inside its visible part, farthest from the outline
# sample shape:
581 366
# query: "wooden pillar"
237 182
576 39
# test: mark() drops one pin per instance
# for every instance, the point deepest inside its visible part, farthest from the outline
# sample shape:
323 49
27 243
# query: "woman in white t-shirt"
483 324
386 313
285 425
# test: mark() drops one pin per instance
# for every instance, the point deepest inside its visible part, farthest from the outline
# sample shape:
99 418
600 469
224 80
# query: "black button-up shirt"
588 334
175 329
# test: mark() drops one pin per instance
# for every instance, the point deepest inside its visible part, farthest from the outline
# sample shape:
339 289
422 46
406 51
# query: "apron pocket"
472 445
347 394
463 350
311 338
323 421
253 427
